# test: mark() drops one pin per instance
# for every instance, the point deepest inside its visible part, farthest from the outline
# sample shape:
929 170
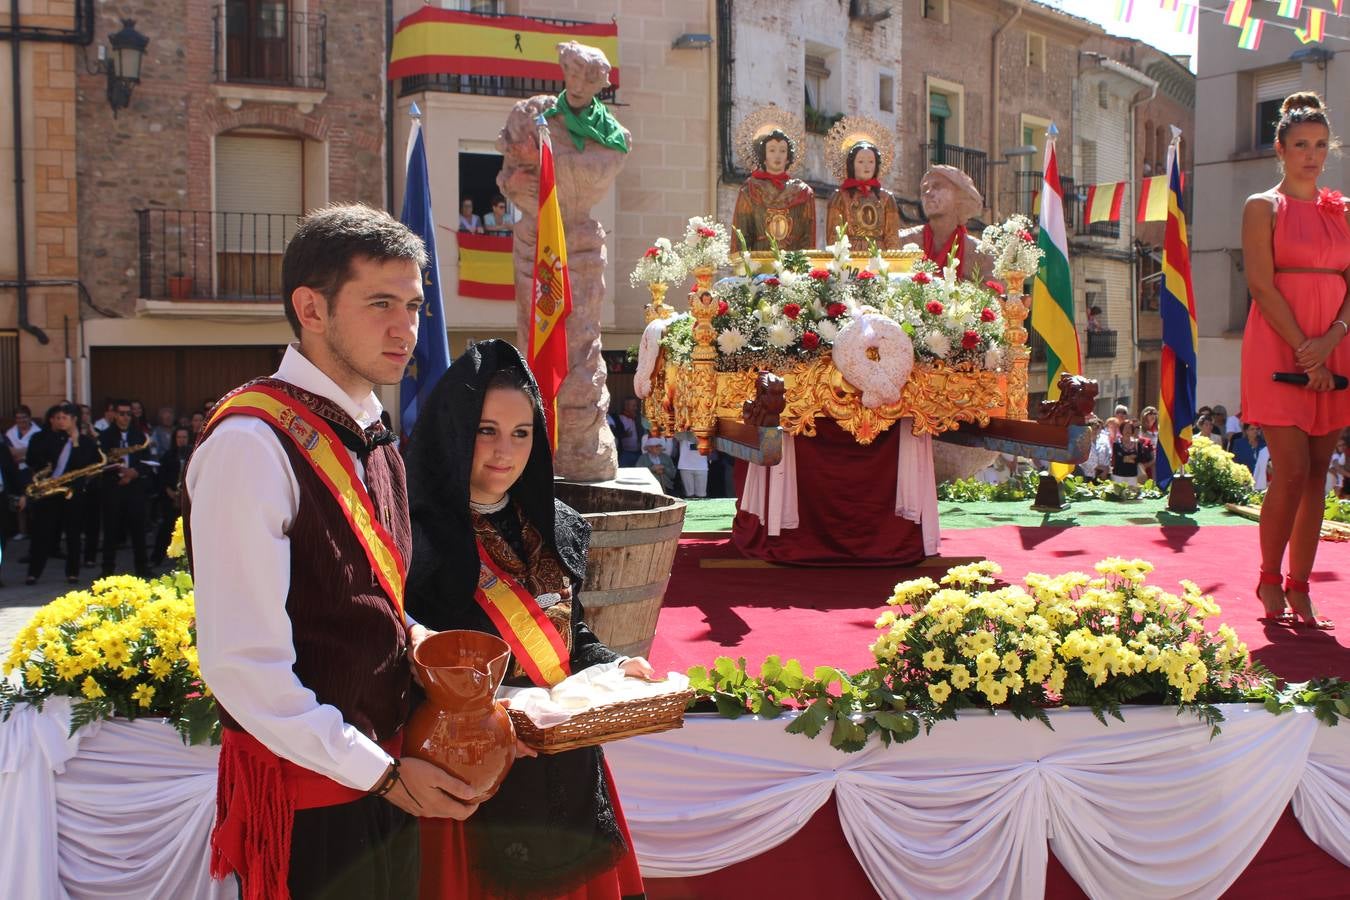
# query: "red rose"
934 307
706 232
866 275
791 310
771 281
651 252
810 340
994 286
987 314
820 274
970 340
722 307
920 278
835 310
1026 236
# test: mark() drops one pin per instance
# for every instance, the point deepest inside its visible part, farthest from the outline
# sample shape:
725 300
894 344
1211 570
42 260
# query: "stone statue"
589 149
859 150
771 203
950 198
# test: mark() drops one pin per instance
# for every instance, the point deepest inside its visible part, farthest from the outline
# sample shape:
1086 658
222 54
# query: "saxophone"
43 486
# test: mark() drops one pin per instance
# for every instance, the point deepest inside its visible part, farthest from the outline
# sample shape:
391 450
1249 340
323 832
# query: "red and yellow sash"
319 444
534 640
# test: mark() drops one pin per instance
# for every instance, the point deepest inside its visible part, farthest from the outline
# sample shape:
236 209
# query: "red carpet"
826 616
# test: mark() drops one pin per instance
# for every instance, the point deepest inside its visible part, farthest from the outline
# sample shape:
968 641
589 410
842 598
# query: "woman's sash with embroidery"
534 640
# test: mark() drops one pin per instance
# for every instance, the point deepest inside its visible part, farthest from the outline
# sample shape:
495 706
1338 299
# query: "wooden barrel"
633 541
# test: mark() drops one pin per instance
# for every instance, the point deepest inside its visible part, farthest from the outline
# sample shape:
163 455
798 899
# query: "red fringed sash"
257 794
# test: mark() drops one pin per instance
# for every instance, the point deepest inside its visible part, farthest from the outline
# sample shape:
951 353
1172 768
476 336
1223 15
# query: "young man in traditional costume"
297 524
950 199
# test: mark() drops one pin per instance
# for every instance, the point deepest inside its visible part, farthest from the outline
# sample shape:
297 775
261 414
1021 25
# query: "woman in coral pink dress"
1296 249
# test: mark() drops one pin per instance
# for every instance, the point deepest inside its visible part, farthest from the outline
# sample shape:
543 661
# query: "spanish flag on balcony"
435 41
551 293
1103 202
485 266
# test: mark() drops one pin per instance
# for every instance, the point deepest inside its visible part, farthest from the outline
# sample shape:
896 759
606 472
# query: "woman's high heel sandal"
1309 620
1284 616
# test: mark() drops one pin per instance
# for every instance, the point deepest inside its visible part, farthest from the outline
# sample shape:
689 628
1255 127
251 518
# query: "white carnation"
937 342
827 330
993 358
730 341
781 336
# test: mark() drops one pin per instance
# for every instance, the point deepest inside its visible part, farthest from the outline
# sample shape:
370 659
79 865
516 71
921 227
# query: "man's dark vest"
349 640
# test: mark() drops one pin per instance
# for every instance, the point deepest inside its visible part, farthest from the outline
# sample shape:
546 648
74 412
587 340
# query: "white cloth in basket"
597 686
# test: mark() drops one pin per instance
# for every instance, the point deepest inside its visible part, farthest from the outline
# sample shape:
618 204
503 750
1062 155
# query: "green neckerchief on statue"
595 123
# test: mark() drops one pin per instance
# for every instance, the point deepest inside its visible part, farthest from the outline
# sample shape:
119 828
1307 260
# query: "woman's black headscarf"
440 460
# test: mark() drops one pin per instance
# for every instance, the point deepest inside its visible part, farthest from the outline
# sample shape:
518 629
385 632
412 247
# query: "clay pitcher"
460 727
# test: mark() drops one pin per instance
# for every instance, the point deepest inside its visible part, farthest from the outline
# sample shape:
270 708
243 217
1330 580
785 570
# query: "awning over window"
938 108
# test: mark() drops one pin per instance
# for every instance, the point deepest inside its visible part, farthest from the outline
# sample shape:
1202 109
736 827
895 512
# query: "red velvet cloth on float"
845 505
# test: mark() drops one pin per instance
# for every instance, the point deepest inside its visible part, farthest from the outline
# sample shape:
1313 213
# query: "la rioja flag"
551 294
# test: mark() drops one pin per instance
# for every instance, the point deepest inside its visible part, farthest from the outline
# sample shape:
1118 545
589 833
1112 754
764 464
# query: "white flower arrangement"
705 245
730 341
660 264
1012 246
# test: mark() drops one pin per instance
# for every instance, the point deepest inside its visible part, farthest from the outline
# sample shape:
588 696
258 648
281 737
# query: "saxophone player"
64 449
124 493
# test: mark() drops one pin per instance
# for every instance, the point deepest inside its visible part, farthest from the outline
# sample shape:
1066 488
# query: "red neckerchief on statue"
958 240
780 179
867 187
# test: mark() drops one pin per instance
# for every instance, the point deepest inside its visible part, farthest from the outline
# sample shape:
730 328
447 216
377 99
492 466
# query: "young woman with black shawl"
481 482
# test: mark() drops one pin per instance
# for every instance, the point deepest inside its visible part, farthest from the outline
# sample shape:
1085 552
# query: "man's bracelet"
390 779
1342 323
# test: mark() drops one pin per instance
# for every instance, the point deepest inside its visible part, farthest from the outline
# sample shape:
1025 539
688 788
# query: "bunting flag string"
1290 9
1124 10
1315 29
1250 39
1239 11
1242 15
1153 199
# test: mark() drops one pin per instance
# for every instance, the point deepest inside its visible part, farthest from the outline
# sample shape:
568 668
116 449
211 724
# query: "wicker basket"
601 724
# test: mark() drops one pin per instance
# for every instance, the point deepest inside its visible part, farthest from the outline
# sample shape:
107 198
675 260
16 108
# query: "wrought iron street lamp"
121 63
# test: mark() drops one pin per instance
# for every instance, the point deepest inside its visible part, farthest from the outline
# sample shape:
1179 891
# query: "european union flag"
431 357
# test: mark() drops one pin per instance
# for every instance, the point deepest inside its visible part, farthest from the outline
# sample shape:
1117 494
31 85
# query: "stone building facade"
37 348
243 120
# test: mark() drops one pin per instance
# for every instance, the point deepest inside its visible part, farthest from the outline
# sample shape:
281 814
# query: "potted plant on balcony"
180 285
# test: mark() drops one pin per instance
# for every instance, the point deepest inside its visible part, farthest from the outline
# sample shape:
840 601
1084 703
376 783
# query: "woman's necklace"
487 509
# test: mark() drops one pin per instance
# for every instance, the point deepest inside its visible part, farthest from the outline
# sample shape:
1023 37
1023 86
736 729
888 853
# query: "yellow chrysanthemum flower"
939 691
90 688
144 694
934 659
960 677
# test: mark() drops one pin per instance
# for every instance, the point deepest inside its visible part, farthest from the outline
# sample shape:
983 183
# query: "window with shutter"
1270 89
259 198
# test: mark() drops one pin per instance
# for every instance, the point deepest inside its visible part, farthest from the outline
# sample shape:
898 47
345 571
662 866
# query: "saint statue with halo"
859 150
771 203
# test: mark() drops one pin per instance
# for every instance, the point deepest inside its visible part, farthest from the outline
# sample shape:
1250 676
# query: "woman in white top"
468 219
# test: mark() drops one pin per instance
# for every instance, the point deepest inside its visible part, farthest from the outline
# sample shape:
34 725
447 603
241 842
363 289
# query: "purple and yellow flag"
1181 334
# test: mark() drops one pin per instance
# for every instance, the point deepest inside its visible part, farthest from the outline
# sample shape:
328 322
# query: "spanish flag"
486 266
551 293
1239 11
434 41
1103 202
1153 199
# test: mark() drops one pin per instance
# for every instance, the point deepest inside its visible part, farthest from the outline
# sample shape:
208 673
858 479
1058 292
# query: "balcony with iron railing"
1101 344
974 163
189 254
495 85
269 46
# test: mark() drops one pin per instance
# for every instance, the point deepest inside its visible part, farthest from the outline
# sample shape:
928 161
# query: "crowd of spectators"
677 464
129 494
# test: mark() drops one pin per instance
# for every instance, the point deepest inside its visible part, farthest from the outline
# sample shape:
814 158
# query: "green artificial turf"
716 514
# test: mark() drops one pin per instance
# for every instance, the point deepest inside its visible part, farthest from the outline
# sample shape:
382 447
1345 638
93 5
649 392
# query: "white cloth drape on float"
124 809
970 809
120 809
770 492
